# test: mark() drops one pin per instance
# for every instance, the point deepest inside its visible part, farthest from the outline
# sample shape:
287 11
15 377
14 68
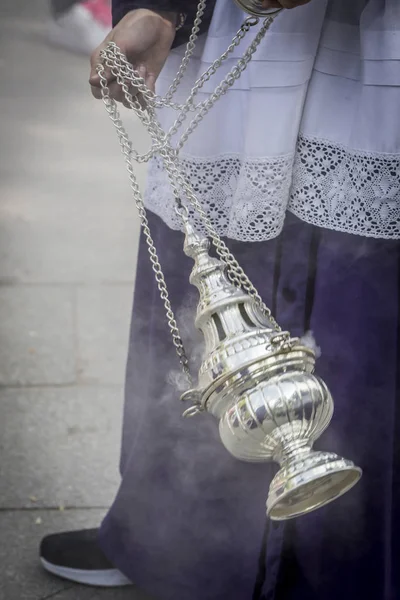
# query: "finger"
95 61
118 94
116 91
151 82
141 101
149 79
96 92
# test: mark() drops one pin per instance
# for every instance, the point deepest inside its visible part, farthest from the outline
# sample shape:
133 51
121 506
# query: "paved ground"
68 241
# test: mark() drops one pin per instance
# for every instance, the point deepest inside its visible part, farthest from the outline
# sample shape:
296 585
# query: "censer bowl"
279 419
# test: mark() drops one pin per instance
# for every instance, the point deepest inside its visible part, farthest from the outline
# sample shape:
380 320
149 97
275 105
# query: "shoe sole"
103 578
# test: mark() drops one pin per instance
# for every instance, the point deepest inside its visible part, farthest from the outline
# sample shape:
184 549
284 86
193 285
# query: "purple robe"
189 521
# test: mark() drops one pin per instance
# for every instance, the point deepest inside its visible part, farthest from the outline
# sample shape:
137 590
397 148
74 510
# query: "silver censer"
262 388
255 379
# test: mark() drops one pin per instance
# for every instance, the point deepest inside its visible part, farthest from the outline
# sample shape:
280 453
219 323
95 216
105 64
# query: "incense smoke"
309 341
192 339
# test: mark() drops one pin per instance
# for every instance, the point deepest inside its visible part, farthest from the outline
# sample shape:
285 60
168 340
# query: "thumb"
94 79
95 60
150 80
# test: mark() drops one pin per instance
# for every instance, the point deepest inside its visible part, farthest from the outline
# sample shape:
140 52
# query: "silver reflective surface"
254 7
261 387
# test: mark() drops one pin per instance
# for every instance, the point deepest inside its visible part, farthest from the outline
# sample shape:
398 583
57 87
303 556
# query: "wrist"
177 19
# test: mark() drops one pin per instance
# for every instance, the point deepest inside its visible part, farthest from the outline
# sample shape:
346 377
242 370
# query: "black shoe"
77 556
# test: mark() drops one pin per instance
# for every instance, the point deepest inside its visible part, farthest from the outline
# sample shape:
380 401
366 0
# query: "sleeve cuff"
121 7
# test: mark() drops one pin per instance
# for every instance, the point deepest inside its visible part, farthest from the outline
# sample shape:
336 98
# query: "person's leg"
349 549
77 556
189 521
189 518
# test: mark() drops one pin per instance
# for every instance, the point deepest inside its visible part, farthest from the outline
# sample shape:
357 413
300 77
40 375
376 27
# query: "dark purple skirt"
189 522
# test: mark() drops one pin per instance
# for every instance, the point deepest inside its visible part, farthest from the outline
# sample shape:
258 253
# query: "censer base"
305 484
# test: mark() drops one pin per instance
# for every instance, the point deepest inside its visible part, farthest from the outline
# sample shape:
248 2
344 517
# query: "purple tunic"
189 521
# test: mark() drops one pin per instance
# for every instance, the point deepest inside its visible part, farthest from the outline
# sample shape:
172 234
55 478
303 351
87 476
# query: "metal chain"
190 47
160 101
127 151
130 80
206 76
232 76
114 57
125 69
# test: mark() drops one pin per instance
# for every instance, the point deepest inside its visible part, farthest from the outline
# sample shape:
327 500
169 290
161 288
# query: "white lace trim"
246 200
346 190
333 187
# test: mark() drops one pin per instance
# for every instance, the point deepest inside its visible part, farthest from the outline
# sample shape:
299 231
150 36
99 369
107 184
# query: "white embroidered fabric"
332 187
311 126
244 200
346 190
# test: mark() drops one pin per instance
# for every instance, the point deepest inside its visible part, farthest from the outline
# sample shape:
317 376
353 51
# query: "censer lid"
237 334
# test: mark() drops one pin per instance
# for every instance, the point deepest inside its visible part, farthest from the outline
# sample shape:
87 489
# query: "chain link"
145 108
126 149
191 45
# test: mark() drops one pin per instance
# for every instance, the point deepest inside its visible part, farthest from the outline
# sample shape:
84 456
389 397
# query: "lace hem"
346 190
247 199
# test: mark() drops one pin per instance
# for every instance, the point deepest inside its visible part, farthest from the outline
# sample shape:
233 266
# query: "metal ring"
251 21
182 211
193 411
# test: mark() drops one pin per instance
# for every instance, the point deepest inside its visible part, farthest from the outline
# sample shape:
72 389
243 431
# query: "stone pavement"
68 243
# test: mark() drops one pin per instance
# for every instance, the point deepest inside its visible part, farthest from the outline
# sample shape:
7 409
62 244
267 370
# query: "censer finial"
269 403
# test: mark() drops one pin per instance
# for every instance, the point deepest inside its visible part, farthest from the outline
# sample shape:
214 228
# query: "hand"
145 37
283 3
